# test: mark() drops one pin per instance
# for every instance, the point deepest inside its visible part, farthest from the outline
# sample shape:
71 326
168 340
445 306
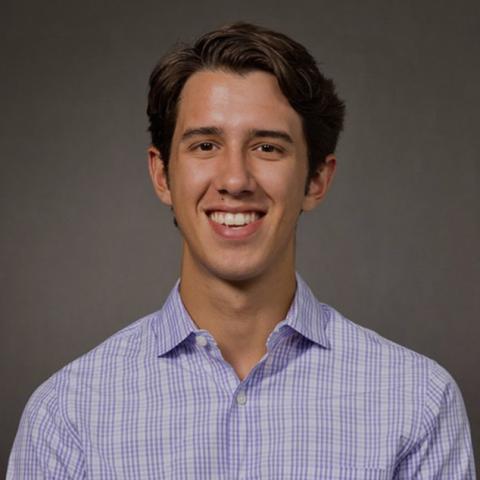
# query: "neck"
240 315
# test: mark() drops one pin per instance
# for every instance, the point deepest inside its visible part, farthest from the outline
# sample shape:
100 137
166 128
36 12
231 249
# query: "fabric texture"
329 400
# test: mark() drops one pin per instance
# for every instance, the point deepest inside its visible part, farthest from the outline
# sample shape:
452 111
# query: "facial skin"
238 146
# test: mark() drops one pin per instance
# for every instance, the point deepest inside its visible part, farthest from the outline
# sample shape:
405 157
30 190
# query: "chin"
235 273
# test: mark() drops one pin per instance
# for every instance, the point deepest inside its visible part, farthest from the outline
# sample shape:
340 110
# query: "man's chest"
290 424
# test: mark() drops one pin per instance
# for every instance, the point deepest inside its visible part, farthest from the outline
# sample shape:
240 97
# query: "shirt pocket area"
349 473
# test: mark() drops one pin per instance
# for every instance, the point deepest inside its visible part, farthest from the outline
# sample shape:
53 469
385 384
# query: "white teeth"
234 219
230 219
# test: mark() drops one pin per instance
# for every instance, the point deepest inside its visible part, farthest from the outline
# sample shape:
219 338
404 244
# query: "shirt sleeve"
443 446
46 445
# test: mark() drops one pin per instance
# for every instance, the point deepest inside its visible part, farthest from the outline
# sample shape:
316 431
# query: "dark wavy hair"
241 48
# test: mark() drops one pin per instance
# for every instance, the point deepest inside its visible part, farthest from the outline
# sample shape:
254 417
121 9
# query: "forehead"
235 101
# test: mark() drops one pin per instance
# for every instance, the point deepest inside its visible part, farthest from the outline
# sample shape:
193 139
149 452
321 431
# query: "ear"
319 183
158 175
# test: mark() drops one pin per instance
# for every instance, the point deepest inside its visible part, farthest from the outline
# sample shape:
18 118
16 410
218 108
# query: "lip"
236 233
237 209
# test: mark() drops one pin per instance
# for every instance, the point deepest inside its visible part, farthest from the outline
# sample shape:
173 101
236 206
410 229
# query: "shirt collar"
172 324
306 316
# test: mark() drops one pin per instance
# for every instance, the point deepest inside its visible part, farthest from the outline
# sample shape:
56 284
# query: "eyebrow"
253 133
193 132
280 134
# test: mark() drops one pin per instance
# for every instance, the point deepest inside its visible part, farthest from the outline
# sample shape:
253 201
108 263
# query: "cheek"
284 185
189 179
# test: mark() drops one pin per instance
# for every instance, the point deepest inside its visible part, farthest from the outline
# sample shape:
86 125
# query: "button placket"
238 438
214 364
241 397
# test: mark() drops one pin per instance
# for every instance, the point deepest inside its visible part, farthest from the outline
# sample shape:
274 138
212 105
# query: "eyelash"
273 147
197 146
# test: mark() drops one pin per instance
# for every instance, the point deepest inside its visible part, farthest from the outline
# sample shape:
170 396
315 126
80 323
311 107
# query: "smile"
234 219
235 226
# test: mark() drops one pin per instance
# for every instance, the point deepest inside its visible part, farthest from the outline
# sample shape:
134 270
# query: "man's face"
237 173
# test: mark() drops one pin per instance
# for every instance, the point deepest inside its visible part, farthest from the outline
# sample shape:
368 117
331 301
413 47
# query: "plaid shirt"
329 400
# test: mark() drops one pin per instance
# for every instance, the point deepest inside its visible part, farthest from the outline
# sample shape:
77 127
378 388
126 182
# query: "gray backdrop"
86 247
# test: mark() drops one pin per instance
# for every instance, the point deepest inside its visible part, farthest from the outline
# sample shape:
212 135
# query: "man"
243 373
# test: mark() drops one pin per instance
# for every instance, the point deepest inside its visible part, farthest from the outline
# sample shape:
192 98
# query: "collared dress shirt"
329 400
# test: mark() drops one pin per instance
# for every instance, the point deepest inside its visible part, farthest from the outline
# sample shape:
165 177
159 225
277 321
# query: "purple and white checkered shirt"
330 400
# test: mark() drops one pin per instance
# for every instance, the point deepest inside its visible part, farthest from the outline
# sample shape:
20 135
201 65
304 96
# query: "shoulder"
363 346
423 398
54 415
130 344
413 382
68 388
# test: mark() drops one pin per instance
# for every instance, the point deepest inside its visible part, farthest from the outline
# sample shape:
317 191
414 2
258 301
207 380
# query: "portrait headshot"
240 240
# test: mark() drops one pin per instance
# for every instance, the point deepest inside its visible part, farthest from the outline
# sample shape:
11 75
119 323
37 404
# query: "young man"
243 373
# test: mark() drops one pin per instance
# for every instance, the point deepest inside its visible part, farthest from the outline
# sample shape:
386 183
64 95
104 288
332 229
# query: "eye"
267 148
204 149
205 146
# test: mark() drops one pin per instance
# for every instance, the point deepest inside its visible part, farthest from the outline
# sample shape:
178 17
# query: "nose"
234 175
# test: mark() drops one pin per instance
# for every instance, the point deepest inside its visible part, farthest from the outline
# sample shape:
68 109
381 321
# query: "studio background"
86 247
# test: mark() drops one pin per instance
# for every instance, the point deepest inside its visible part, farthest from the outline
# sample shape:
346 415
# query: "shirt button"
201 341
241 398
